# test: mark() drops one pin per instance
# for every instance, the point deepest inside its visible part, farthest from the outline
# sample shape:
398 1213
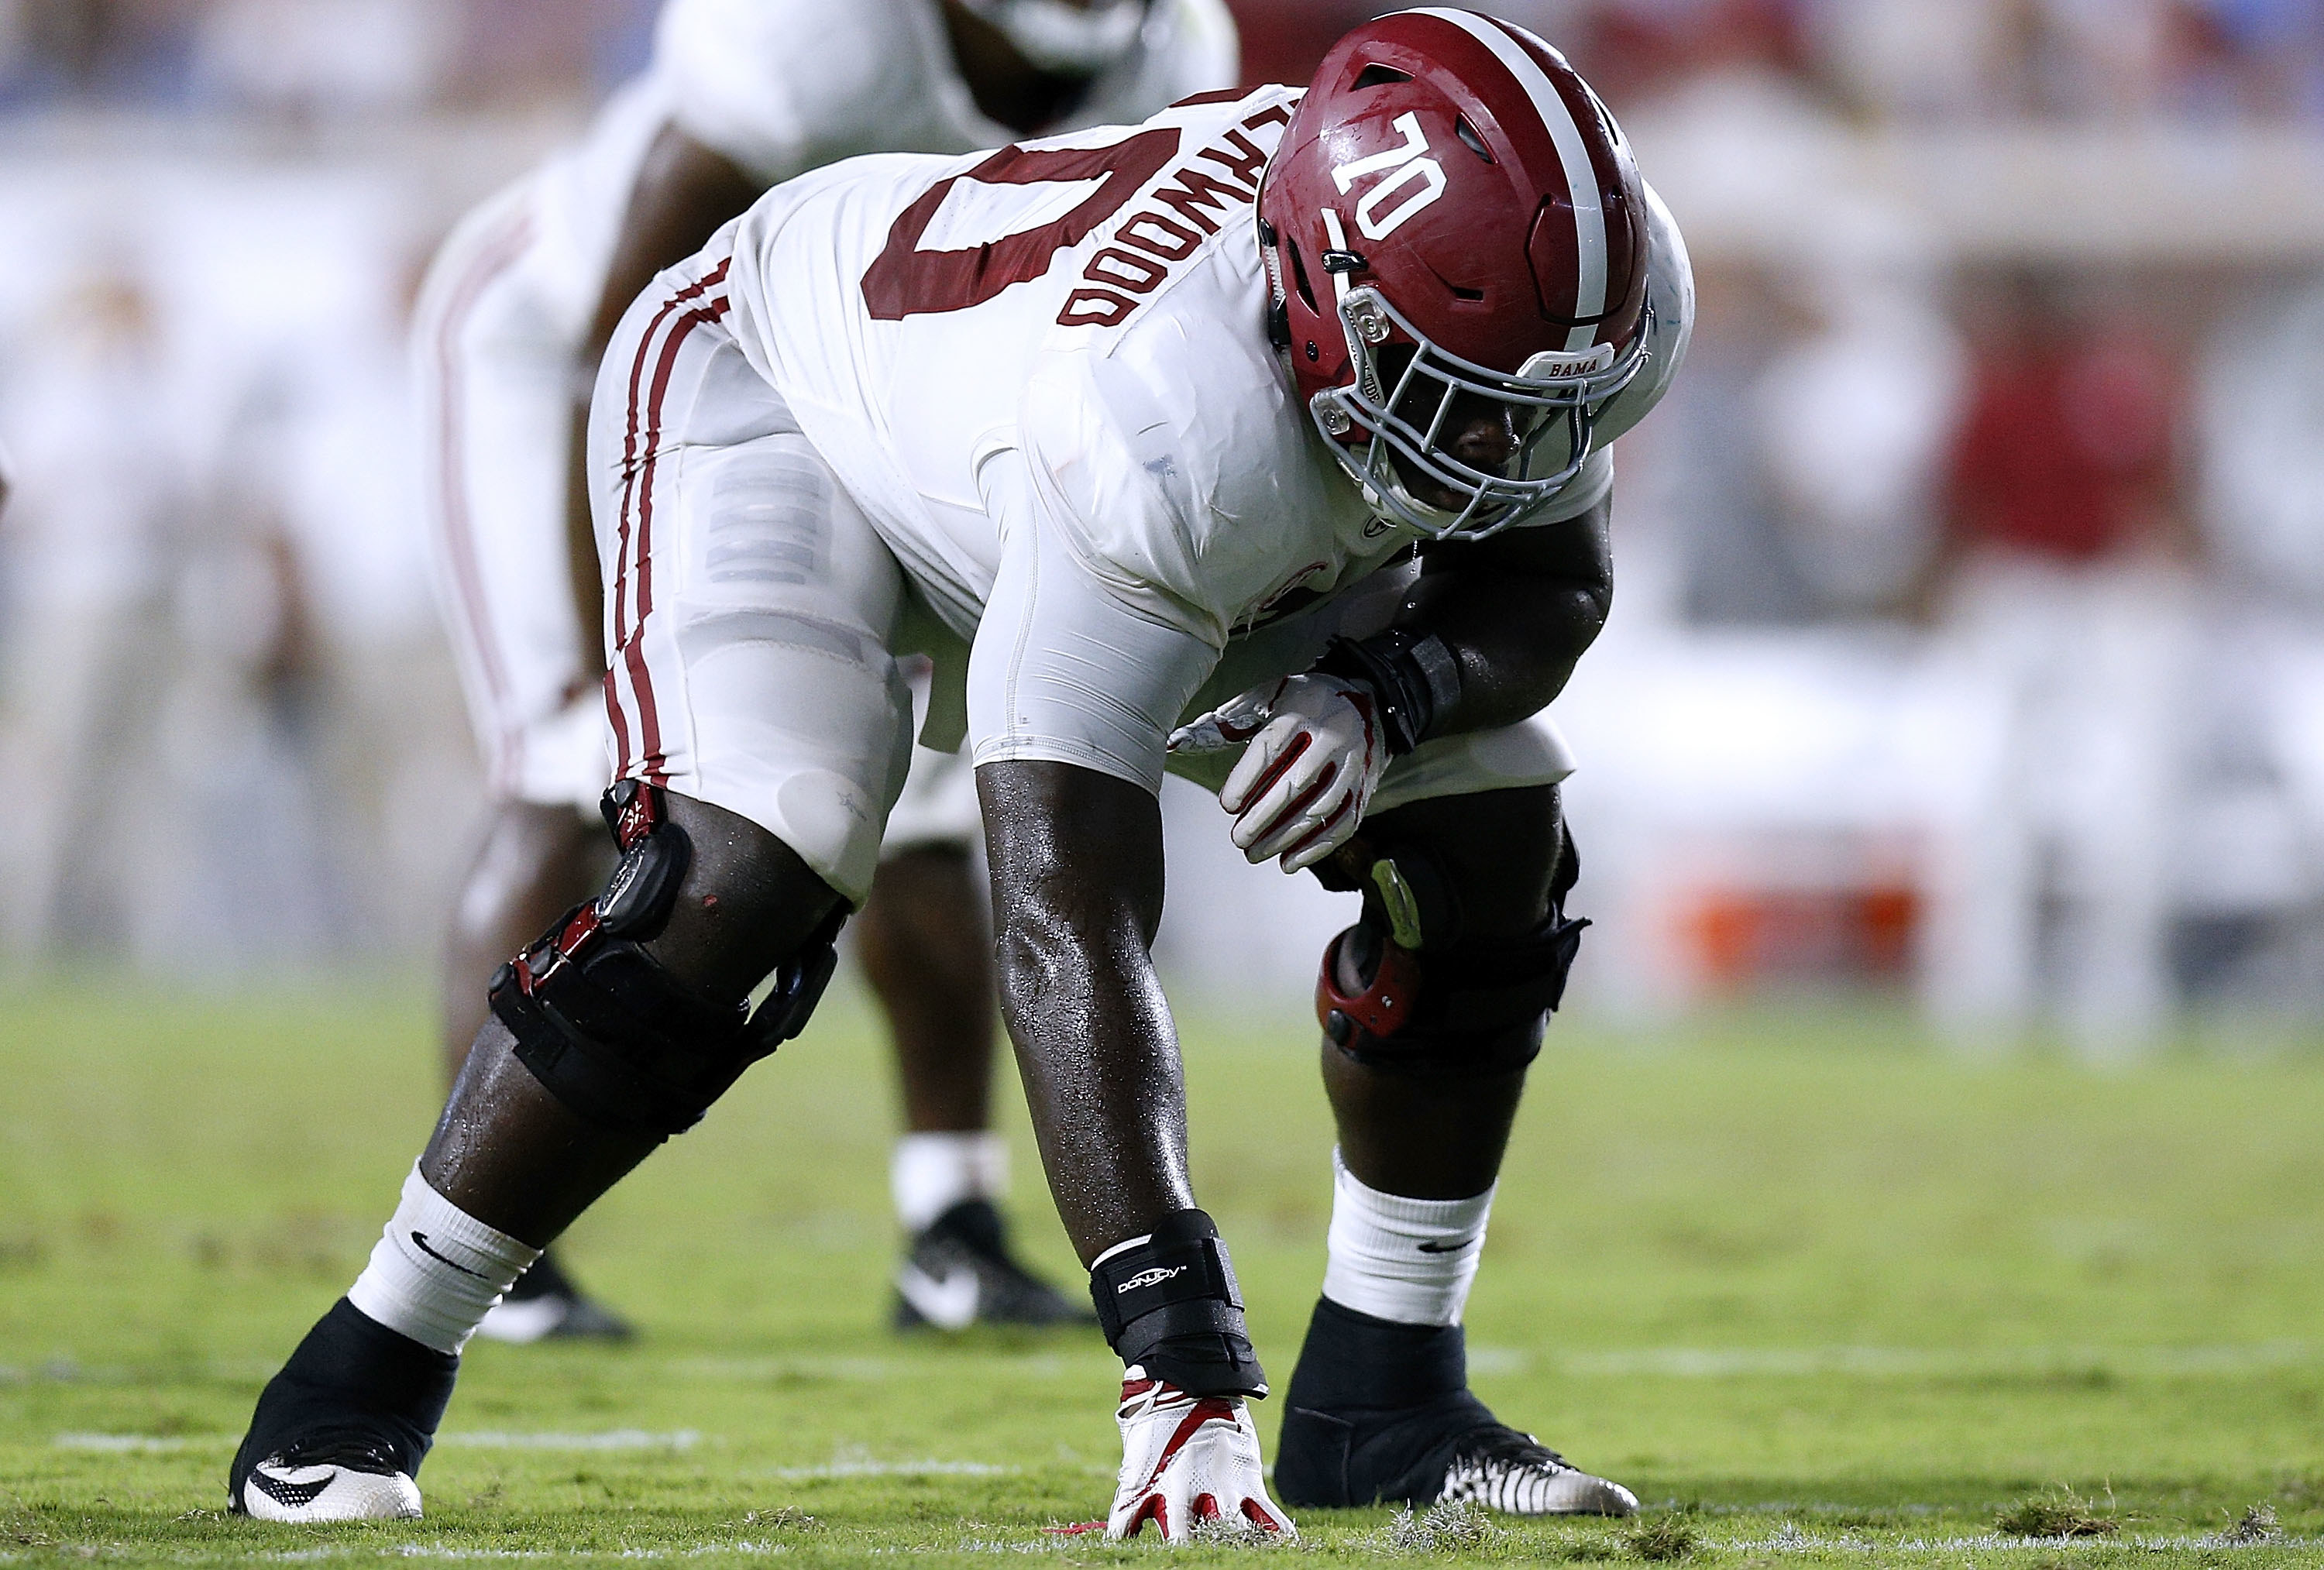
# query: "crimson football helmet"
1451 215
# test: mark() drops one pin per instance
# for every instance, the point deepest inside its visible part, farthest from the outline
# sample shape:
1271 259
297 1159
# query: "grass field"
1819 1292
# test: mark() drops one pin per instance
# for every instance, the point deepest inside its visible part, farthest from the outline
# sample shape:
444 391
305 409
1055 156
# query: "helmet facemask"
1482 228
1551 403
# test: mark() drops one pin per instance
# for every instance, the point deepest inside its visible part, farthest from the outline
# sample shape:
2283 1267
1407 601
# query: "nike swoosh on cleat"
288 1495
1427 1247
420 1242
949 1303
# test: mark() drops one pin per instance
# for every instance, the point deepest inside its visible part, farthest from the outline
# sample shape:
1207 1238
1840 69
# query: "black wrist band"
1413 676
1169 1305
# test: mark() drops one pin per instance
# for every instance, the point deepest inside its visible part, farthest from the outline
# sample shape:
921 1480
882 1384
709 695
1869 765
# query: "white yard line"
874 1369
612 1439
893 1469
142 1444
475 1439
1899 1362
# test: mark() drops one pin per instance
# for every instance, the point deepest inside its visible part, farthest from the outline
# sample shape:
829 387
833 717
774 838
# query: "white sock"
436 1271
932 1172
1410 1260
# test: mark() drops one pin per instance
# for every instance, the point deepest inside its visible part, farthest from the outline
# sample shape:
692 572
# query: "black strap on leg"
607 1029
612 1035
1169 1304
799 986
1433 999
655 854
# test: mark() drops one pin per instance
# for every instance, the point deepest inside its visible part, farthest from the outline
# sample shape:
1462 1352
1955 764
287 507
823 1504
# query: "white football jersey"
781 87
1096 305
1055 355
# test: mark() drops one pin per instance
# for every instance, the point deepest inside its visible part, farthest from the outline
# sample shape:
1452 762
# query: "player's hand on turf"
1187 1460
1306 773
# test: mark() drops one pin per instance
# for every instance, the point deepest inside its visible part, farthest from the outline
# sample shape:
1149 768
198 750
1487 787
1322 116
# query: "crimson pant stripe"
642 442
493 258
631 433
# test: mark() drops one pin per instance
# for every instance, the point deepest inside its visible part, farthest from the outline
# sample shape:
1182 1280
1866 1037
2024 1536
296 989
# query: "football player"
511 325
1265 440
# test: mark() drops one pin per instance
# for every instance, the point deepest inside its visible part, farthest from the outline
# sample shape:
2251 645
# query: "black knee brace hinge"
608 1030
1170 1305
1470 1006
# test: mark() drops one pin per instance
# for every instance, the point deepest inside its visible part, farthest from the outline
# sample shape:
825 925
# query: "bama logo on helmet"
1399 167
1154 1277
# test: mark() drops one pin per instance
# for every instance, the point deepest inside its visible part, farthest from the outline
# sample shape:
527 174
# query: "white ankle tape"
1411 1261
932 1172
436 1271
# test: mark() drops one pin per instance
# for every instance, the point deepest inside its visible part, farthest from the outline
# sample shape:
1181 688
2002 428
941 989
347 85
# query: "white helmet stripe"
1572 153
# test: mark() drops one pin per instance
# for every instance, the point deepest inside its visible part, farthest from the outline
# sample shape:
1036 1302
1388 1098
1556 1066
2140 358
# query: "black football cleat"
1379 1412
959 1273
545 1305
339 1434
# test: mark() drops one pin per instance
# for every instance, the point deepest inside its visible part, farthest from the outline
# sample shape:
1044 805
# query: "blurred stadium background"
1970 644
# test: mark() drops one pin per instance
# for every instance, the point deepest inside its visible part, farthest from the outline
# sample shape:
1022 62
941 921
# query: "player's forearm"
1076 880
1099 1058
1516 641
1514 614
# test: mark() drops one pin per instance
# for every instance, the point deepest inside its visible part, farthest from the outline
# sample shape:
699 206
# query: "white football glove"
1186 1460
1315 754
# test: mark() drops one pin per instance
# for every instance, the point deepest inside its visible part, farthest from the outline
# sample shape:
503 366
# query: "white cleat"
1519 1476
559 1314
307 1492
1188 1462
520 1324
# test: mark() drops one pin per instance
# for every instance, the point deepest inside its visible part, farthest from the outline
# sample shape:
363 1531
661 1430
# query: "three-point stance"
511 328
1285 414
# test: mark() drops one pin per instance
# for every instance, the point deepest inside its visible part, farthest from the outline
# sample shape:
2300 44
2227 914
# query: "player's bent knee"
1407 990
608 1028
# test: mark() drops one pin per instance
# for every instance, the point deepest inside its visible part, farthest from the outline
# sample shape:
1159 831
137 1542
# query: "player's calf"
1428 1029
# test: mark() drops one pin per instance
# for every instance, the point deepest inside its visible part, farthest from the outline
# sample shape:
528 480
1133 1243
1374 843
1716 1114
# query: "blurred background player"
741 95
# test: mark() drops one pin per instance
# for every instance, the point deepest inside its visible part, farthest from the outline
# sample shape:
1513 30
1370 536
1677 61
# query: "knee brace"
1170 1305
1434 1000
607 1029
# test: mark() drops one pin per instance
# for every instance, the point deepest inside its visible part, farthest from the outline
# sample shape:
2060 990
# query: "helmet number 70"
1402 166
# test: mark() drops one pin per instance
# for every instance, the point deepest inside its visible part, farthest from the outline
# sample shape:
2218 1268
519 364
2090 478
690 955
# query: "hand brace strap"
1415 678
1169 1304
